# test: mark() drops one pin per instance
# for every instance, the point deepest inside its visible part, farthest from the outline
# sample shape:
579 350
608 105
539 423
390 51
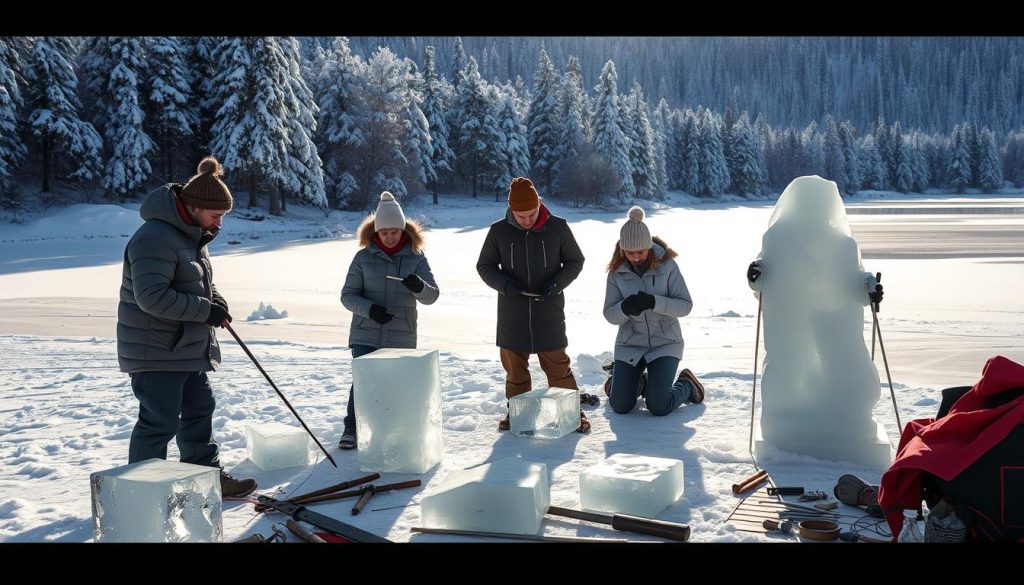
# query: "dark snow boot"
235 488
697 396
584 424
348 440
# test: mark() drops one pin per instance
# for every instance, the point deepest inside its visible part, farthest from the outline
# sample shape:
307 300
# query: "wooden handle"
363 499
300 531
751 482
669 530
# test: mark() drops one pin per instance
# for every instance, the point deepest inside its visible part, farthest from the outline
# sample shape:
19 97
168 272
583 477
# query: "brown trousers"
555 364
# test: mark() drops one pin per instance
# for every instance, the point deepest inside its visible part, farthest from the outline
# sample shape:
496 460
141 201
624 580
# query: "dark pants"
555 364
350 416
662 395
174 404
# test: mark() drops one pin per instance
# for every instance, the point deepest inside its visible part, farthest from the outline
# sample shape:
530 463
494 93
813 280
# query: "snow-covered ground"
951 268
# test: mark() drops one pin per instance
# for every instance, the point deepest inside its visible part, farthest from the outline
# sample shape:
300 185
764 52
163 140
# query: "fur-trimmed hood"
412 229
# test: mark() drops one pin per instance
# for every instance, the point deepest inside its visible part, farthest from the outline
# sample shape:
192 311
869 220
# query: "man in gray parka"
165 318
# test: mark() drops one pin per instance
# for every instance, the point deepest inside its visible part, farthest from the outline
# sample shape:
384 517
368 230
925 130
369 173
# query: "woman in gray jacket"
645 296
383 308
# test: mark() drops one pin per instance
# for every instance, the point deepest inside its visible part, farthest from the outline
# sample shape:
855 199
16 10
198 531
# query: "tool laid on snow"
331 525
785 491
327 490
627 523
750 482
508 535
300 531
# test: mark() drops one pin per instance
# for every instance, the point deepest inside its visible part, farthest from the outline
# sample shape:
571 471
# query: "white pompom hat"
389 214
634 235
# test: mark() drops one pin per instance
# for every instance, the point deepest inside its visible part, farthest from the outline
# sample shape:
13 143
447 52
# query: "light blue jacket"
654 333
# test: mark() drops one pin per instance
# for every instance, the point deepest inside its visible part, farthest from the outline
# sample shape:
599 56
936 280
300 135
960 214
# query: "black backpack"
988 496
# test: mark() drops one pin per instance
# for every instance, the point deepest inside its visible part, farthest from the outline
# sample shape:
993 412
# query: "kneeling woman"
645 297
385 281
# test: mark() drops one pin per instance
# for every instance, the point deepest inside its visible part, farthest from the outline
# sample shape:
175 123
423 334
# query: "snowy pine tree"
128 166
990 172
52 104
304 174
848 143
381 160
661 129
641 144
835 160
434 106
714 171
250 135
872 169
202 59
12 151
512 148
575 120
960 177
478 128
340 121
419 148
692 153
172 117
609 141
544 124
748 173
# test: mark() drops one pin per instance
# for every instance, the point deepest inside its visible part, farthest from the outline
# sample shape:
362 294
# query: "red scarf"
181 211
542 217
391 251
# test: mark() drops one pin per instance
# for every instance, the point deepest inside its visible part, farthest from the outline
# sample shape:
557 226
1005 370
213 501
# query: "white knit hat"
634 235
389 214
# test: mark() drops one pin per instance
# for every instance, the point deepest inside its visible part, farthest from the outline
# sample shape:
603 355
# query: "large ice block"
551 413
156 501
508 495
631 484
398 410
275 446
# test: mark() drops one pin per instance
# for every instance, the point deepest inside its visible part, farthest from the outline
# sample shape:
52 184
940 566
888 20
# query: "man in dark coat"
165 318
530 257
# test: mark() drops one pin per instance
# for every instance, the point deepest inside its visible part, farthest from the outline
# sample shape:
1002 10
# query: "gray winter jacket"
367 285
166 292
654 333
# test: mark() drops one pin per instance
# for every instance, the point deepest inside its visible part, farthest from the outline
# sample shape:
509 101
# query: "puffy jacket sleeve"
677 303
613 302
352 291
430 291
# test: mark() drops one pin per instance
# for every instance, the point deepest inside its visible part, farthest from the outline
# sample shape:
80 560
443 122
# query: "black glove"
631 305
753 272
876 296
218 315
513 289
646 301
549 291
413 282
220 302
380 314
